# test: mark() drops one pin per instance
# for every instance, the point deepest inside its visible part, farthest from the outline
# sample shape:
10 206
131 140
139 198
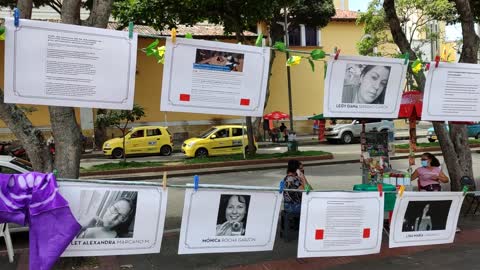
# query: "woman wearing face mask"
430 175
370 88
235 218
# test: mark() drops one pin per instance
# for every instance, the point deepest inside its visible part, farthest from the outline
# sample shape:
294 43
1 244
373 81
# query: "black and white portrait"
426 216
107 214
365 84
232 215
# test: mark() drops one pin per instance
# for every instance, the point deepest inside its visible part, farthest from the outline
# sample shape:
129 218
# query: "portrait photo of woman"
365 84
232 215
108 215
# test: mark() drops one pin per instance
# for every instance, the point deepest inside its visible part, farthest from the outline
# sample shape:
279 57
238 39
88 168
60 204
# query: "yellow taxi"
141 140
218 140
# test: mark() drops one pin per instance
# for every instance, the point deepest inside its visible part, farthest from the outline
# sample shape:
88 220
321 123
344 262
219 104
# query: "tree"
454 143
64 126
235 16
120 119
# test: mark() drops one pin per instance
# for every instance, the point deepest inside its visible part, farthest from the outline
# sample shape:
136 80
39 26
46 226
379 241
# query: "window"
237 132
310 36
138 134
154 132
222 133
8 170
294 36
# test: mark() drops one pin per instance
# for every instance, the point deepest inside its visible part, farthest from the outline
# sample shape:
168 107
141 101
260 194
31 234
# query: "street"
323 177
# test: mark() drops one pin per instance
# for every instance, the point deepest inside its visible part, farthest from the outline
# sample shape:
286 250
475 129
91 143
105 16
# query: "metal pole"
289 83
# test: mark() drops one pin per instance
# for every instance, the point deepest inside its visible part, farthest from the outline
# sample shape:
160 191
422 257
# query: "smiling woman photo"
368 87
232 215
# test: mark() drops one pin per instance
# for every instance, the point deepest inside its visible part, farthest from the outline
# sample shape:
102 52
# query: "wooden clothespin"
380 189
164 181
401 189
173 35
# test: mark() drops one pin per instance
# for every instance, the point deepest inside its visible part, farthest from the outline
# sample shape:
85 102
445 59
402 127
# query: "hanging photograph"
116 219
425 218
452 93
69 65
364 87
340 224
236 221
202 76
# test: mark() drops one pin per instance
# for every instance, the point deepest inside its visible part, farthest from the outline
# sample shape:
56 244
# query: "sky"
453 32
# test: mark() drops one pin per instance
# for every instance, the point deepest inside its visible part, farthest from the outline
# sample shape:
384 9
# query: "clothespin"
189 35
164 182
465 190
337 52
55 172
427 66
407 58
380 189
282 186
196 179
308 188
130 30
437 60
401 189
173 34
16 17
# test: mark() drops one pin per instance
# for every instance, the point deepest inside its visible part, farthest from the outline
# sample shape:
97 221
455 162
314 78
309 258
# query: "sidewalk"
463 254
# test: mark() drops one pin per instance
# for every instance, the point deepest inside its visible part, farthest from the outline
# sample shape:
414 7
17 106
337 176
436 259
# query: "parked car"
348 132
141 140
218 140
473 131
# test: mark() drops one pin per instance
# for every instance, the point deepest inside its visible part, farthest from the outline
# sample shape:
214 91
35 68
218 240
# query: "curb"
229 169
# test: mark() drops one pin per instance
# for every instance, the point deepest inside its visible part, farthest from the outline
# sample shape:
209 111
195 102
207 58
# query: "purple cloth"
33 199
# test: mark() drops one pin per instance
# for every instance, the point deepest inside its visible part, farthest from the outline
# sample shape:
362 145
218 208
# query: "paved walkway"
463 254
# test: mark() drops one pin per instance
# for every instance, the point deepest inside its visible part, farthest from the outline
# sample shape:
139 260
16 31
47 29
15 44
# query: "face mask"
424 163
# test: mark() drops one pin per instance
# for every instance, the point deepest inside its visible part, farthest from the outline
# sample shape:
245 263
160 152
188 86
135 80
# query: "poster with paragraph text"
340 224
214 77
216 221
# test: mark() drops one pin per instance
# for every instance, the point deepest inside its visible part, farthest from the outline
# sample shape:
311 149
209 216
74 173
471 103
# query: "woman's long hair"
122 229
381 98
293 166
434 161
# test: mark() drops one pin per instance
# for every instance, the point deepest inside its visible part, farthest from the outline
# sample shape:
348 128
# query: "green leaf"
317 54
189 35
152 45
312 64
258 43
280 46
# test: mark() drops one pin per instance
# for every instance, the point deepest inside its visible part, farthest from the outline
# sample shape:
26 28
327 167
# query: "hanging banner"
452 92
69 65
217 220
214 77
364 87
340 224
116 219
425 218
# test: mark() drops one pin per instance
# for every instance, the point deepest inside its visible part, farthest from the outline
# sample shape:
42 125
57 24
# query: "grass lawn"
430 144
135 164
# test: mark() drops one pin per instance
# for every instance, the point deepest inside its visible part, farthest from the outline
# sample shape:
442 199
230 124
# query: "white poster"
340 224
452 93
214 77
116 219
425 218
69 65
217 220
364 87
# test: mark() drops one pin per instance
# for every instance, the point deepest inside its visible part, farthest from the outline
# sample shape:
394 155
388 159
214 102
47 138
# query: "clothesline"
213 186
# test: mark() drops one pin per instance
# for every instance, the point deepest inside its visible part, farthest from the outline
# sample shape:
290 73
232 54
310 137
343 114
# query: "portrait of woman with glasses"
114 216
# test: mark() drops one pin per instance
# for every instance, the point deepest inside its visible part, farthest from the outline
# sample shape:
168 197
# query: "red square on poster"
244 101
184 97
366 233
318 234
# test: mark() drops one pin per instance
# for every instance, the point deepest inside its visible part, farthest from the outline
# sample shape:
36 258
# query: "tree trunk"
455 148
251 138
100 130
31 137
